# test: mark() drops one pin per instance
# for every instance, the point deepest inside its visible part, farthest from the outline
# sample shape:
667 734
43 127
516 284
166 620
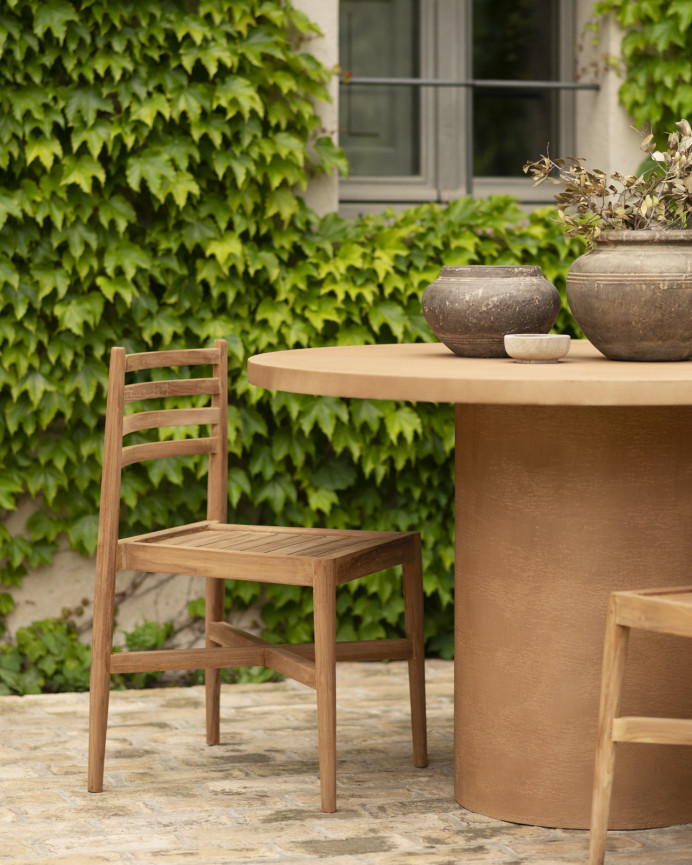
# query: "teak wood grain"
321 559
663 611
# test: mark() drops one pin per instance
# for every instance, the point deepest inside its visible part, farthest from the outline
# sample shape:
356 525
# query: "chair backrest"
117 454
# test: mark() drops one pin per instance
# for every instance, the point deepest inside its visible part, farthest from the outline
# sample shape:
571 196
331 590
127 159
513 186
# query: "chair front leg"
213 612
614 656
413 611
324 600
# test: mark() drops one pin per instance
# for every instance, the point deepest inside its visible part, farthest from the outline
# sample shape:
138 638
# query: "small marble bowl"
537 347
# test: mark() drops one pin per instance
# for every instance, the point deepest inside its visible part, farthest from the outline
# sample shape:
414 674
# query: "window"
408 143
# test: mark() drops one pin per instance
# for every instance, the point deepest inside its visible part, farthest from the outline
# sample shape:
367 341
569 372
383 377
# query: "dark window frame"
374 192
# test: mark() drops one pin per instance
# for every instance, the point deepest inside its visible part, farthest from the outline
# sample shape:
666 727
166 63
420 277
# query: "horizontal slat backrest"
173 387
119 424
163 359
176 448
168 417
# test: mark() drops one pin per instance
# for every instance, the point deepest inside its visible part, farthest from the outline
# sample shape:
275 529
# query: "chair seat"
271 553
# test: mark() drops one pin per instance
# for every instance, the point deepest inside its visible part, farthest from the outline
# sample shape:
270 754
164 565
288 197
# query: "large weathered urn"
632 295
470 308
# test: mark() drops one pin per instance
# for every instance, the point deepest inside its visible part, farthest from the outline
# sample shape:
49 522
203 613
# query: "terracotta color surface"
431 373
573 479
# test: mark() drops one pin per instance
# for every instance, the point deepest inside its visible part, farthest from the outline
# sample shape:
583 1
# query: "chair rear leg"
324 599
214 612
99 691
413 611
614 656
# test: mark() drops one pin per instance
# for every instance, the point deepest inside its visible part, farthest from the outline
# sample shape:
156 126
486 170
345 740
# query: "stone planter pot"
632 295
471 308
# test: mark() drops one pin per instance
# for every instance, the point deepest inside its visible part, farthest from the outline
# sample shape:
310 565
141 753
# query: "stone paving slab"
170 799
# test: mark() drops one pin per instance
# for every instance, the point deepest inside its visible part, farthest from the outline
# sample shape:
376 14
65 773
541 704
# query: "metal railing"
473 84
476 83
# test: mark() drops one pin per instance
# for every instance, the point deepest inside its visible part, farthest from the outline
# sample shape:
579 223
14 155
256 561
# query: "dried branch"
590 201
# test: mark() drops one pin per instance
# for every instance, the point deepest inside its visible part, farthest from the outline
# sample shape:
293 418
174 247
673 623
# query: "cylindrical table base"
557 507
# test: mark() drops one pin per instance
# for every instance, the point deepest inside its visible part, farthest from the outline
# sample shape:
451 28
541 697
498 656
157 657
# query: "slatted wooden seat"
665 611
320 558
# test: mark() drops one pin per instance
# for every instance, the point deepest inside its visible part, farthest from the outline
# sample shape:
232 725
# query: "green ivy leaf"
281 202
35 384
164 323
154 167
54 16
85 103
238 485
10 488
8 206
44 525
80 312
227 248
337 474
126 256
83 534
392 315
81 170
276 492
365 412
322 500
46 480
6 606
237 95
46 150
257 44
323 412
330 156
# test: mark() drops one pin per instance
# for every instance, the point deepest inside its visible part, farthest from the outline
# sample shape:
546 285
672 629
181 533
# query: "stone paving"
170 799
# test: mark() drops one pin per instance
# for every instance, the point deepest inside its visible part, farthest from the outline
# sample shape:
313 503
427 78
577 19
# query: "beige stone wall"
68 583
604 133
323 192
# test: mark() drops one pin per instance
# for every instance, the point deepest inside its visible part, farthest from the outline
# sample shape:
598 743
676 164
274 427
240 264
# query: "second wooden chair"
321 559
665 611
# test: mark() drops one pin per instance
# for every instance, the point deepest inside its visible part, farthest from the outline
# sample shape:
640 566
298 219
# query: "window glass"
513 40
379 126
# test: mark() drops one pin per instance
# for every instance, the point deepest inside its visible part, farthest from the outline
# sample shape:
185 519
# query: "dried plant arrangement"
591 202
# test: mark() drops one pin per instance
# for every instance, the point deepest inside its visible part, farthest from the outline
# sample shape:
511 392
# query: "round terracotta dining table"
572 479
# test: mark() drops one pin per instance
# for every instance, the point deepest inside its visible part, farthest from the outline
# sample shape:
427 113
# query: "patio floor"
170 799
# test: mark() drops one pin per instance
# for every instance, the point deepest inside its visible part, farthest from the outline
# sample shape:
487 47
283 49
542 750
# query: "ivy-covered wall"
152 156
656 58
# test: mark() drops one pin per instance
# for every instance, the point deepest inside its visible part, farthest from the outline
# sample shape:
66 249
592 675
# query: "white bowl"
537 347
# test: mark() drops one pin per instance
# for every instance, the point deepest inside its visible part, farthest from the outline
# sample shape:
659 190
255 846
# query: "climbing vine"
657 56
152 157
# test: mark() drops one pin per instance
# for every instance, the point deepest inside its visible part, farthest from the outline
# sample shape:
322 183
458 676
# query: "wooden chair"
667 611
320 558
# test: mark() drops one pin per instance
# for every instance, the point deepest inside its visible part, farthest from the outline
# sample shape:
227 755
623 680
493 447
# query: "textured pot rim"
644 235
501 271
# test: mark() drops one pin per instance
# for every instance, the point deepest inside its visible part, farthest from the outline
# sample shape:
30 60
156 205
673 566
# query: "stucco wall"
605 136
323 192
68 583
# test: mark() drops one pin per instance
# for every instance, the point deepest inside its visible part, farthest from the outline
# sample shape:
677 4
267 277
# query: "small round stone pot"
632 295
470 308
